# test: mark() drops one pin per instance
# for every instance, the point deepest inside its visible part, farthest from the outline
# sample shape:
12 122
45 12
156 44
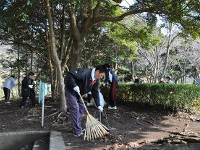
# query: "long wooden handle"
83 103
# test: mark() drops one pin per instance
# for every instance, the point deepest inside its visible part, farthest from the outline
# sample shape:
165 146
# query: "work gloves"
76 88
100 108
30 86
104 84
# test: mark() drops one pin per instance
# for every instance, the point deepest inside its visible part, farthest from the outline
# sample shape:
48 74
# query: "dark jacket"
82 78
25 89
110 76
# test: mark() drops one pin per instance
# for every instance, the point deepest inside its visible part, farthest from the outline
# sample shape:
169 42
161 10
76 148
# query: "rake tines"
94 128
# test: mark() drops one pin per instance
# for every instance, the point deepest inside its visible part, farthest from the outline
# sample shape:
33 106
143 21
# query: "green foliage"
24 17
130 35
24 24
174 96
110 9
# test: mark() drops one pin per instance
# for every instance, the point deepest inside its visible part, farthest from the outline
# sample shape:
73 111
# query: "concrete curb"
56 141
16 140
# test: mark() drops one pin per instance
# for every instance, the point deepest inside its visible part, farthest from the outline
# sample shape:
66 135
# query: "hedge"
175 96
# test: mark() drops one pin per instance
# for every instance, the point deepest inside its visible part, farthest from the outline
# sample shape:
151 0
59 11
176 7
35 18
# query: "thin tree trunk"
31 59
57 62
133 70
157 64
167 53
51 74
18 67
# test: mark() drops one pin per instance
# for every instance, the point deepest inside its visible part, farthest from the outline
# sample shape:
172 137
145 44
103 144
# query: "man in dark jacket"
111 78
28 90
82 80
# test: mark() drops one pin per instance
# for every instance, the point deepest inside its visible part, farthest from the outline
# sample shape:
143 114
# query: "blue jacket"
110 76
9 83
198 80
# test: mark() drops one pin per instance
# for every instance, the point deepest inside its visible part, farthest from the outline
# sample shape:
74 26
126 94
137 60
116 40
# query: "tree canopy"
63 33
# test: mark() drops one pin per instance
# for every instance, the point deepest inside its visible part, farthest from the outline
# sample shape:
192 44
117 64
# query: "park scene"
99 75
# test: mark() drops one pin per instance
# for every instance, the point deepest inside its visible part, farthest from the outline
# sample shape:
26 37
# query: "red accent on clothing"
93 82
113 90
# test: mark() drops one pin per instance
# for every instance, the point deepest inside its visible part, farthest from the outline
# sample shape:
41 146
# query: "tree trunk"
167 53
18 67
157 64
133 70
31 59
57 62
76 54
51 74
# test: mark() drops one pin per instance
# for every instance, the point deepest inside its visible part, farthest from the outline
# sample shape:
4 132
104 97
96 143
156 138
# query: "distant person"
111 78
162 80
28 90
169 80
136 80
141 81
198 80
8 85
89 98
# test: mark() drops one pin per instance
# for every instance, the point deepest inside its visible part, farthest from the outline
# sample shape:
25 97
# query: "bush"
175 96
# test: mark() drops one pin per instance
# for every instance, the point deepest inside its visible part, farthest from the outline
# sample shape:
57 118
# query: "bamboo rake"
94 128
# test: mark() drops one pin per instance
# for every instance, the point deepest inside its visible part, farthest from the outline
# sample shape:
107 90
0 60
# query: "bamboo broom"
94 128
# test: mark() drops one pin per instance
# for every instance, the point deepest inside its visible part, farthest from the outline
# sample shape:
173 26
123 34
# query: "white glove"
30 86
76 88
34 82
100 108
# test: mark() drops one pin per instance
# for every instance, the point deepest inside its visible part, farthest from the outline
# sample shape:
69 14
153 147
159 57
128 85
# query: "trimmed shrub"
174 96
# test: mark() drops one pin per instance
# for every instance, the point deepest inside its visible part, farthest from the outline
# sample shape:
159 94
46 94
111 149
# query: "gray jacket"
9 83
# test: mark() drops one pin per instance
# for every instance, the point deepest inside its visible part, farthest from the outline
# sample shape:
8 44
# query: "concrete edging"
56 141
15 140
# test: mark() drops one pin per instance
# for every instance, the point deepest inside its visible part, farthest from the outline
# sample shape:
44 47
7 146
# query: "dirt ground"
132 126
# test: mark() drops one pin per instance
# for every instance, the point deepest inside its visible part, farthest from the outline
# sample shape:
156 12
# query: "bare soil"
132 126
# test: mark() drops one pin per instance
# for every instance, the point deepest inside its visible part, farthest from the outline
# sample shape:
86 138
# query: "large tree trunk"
76 54
57 62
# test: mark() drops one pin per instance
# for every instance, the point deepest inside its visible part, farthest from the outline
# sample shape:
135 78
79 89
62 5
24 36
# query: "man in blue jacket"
111 78
81 80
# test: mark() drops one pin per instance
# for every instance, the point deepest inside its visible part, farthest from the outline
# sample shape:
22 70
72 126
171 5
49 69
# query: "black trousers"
89 97
31 97
7 94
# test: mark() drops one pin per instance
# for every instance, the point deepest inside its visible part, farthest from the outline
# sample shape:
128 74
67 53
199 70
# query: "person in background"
169 80
111 78
137 80
89 97
8 85
82 81
91 103
162 80
198 80
28 90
